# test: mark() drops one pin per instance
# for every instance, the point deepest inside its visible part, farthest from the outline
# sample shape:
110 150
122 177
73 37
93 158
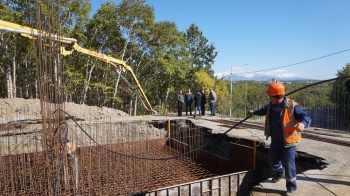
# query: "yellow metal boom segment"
71 43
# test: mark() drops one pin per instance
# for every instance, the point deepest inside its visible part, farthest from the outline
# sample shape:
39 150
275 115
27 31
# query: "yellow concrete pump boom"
68 45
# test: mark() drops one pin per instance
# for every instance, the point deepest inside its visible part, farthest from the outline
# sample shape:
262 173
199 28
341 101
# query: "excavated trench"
262 169
190 160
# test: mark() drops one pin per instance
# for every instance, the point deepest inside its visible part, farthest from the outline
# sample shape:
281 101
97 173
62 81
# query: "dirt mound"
21 109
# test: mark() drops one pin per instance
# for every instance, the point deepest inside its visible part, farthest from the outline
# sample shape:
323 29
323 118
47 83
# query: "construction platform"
202 173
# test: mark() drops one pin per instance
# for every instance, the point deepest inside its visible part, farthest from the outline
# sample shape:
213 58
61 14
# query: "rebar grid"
112 158
101 172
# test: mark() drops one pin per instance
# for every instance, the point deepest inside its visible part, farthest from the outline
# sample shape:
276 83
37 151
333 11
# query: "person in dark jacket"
203 102
197 104
189 101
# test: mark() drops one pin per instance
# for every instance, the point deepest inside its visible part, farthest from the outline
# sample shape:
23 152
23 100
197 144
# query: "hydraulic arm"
68 45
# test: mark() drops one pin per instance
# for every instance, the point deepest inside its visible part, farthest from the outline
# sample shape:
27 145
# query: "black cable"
131 156
307 86
200 147
61 157
320 82
147 158
319 183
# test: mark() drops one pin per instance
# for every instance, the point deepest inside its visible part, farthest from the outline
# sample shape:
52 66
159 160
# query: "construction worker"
69 148
284 121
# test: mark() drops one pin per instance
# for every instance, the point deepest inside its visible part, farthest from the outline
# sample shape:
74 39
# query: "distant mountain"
259 77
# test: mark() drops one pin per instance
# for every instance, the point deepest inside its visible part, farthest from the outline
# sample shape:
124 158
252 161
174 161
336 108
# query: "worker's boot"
277 177
290 193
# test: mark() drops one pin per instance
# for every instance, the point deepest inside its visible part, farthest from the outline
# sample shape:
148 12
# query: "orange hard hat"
275 89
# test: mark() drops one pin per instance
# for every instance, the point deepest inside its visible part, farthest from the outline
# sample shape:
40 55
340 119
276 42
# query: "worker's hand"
300 127
250 113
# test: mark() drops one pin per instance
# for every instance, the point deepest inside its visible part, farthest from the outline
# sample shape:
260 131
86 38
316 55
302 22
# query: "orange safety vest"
291 136
69 148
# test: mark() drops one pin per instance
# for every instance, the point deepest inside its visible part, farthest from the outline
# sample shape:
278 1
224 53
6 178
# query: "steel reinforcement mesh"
100 172
111 158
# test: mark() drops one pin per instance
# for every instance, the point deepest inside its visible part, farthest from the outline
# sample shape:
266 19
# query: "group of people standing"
199 99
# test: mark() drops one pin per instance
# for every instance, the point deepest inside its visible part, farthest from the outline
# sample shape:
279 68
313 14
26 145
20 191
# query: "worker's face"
276 100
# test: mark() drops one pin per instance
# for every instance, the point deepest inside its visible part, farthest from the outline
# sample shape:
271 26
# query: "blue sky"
254 35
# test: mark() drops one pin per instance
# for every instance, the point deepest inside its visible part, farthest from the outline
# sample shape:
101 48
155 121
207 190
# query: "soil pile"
17 109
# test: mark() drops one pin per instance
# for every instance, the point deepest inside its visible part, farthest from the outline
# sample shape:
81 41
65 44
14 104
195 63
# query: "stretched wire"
297 63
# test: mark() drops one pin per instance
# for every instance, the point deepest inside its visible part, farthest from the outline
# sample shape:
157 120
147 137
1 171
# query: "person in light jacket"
212 101
180 101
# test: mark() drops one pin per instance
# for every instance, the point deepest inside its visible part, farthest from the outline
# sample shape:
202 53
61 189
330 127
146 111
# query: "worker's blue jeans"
212 109
197 108
283 160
